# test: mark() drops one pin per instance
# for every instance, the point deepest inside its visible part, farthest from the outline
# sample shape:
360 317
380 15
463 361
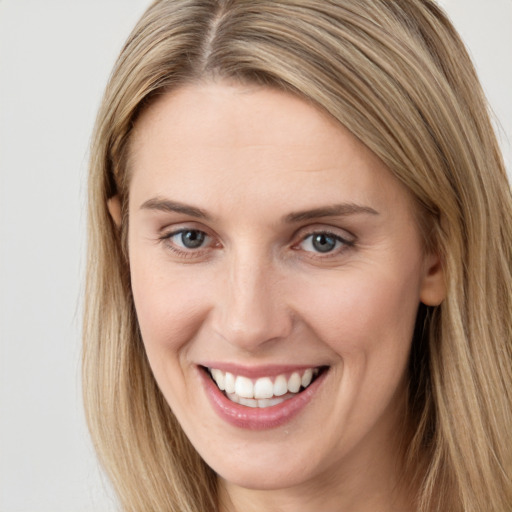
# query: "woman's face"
269 248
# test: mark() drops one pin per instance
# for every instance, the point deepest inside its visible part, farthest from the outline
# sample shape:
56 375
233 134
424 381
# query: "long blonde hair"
396 74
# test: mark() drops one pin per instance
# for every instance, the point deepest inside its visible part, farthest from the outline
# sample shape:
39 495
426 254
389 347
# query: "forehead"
226 116
215 139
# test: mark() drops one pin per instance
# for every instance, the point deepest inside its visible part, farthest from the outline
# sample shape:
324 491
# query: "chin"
265 477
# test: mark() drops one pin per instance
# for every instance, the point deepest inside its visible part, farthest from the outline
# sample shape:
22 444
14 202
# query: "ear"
433 286
114 208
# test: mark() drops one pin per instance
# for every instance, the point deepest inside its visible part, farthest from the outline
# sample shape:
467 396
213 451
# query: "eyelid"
173 229
337 232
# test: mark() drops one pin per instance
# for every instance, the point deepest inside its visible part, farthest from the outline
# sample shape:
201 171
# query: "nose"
251 309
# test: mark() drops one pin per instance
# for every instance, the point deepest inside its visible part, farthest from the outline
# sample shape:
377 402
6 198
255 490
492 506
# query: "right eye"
188 242
188 239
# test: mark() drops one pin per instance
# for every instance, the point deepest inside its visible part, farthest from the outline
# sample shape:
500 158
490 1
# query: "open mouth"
265 391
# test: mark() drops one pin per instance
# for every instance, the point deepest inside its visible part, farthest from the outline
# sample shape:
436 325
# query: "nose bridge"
252 309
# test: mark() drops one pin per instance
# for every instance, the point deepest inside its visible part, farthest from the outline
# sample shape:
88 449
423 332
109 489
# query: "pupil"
324 243
192 239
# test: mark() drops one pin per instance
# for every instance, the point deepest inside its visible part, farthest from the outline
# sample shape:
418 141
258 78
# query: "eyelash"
342 243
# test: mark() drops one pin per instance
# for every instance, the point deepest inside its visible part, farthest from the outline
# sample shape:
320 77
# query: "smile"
265 391
260 398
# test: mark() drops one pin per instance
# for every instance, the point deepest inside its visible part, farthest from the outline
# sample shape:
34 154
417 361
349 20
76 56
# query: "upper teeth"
263 387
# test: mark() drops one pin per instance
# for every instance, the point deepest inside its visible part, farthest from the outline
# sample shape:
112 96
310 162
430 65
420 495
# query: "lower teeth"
259 402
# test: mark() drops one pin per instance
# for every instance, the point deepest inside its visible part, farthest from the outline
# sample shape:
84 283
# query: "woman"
299 284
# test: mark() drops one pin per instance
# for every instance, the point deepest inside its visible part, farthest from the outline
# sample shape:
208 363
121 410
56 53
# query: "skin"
258 292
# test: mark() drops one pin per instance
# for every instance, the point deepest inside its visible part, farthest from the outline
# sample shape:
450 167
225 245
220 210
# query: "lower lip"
254 418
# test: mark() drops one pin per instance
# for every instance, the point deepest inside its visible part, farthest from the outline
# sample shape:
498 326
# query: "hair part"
397 75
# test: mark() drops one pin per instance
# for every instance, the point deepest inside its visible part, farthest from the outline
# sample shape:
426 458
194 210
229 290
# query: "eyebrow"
335 210
166 205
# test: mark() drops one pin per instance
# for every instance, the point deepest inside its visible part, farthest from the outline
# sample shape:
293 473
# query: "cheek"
169 308
368 320
362 312
170 311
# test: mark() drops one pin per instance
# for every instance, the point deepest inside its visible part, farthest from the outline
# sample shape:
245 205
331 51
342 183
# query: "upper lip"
255 372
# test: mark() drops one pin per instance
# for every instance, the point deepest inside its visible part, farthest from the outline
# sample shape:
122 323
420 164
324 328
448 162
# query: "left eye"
189 238
322 242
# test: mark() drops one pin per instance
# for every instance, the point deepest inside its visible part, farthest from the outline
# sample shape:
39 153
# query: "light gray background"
55 57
